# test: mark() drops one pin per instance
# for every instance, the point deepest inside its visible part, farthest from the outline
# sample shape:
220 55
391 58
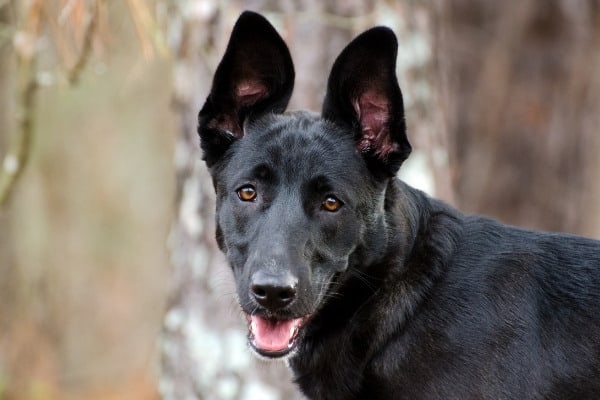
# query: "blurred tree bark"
521 100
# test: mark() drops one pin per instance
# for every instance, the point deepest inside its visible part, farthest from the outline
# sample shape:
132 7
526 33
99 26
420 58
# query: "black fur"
396 295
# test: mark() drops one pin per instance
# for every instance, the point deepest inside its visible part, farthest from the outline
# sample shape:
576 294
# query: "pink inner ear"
249 92
373 113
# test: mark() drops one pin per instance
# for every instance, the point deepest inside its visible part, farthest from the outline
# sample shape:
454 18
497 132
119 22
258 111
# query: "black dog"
372 289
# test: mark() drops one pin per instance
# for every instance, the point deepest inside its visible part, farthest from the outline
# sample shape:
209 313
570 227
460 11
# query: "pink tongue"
273 335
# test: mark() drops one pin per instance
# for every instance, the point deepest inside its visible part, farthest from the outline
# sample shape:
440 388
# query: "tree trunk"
522 103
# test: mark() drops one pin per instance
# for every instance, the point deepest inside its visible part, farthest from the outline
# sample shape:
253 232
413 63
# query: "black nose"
273 291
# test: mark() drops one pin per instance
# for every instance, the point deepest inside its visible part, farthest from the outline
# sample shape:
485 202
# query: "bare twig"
17 158
88 39
142 21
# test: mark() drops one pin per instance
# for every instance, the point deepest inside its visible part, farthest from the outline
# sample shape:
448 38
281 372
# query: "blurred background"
111 286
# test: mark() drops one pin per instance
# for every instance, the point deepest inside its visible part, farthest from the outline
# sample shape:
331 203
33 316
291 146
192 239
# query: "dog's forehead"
298 144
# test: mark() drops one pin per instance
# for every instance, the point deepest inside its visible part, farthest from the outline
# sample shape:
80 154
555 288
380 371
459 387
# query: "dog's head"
300 197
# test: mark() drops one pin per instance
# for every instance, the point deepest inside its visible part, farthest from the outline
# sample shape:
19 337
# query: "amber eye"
331 204
247 193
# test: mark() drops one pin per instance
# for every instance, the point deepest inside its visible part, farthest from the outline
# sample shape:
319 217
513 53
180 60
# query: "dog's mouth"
274 338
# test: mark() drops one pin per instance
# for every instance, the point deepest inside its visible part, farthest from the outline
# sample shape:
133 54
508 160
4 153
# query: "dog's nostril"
259 292
287 294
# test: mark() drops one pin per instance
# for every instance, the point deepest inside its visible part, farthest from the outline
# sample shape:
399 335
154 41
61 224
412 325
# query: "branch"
86 50
17 158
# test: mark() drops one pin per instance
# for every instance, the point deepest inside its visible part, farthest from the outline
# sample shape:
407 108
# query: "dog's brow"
320 183
262 171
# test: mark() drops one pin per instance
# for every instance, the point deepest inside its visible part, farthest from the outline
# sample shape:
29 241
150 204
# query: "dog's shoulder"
502 297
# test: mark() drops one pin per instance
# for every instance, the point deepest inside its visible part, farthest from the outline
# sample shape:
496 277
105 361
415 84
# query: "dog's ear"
363 96
255 76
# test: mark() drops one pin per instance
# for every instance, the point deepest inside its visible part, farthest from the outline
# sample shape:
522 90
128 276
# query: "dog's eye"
331 204
247 193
